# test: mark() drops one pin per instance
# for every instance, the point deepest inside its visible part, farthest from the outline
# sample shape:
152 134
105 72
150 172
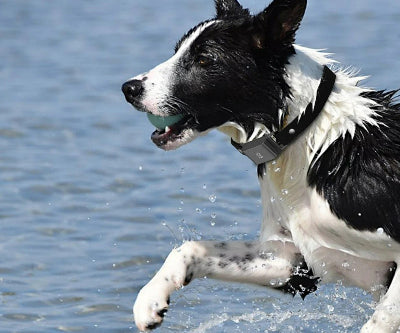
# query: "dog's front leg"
386 318
268 264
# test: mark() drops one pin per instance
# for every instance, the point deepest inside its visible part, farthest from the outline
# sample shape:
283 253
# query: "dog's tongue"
163 122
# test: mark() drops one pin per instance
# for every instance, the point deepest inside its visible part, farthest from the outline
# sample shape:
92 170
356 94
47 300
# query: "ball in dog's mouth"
163 122
169 128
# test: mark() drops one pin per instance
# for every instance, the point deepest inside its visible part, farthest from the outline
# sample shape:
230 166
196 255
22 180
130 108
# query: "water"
89 208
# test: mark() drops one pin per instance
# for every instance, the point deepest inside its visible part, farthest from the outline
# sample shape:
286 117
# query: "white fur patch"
345 108
238 133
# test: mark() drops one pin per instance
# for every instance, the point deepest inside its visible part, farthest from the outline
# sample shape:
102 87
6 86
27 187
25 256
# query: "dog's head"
230 69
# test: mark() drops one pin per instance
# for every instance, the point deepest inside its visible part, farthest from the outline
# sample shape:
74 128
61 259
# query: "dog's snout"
132 90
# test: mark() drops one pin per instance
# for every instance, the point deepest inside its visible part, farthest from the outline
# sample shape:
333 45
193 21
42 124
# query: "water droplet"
204 186
379 231
277 170
198 210
285 192
212 198
213 215
272 199
212 223
182 190
268 255
359 214
345 264
140 168
292 131
331 308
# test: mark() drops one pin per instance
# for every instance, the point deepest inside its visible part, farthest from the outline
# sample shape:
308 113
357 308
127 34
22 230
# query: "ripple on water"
66 300
54 232
136 261
99 308
72 328
10 133
23 317
84 191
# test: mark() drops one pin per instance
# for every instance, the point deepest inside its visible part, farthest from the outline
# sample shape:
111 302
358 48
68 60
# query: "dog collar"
270 146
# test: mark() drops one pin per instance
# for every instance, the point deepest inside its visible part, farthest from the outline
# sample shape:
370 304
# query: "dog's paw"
150 308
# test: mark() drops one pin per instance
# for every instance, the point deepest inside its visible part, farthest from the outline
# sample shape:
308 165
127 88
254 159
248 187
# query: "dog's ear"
229 8
279 22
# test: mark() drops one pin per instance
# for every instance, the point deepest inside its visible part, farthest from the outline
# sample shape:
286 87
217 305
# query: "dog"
327 152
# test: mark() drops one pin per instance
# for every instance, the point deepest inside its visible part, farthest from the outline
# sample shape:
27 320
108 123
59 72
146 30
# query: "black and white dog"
327 150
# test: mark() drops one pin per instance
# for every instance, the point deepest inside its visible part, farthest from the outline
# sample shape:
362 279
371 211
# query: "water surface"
89 208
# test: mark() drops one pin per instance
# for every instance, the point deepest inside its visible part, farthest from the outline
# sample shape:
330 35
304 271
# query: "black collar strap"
270 146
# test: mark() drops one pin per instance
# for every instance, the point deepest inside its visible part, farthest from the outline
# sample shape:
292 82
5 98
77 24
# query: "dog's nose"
132 90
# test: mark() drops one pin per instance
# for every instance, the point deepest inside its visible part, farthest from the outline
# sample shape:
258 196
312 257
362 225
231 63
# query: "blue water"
89 208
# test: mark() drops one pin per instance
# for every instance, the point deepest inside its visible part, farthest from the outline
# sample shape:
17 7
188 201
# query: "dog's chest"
295 212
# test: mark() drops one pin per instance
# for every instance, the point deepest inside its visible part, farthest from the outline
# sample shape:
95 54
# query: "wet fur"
330 202
359 175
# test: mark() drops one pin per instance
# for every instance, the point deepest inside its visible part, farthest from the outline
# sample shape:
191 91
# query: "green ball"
162 122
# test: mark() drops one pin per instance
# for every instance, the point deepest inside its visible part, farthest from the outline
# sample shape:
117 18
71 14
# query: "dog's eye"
204 61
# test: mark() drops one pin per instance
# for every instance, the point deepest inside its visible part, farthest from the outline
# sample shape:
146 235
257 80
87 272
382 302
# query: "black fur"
302 281
261 169
360 176
229 8
390 275
223 97
257 48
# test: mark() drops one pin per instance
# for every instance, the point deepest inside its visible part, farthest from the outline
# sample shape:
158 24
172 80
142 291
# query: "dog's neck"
303 76
345 109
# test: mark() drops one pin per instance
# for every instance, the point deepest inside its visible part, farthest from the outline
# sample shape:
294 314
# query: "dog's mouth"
172 131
